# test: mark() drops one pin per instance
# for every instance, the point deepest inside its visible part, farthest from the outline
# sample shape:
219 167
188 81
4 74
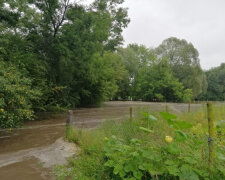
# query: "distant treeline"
169 72
58 54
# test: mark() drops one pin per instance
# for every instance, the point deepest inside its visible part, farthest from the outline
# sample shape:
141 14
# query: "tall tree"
156 82
216 84
134 57
119 20
185 64
62 50
7 15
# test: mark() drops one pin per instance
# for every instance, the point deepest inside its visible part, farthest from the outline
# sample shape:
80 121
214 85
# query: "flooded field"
30 152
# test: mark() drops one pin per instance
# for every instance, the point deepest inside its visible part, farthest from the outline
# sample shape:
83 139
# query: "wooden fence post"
131 112
69 118
211 129
189 107
166 108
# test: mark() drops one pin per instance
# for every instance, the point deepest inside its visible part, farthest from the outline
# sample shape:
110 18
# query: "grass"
110 151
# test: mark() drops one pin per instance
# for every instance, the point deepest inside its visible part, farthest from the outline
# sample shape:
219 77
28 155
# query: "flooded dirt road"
17 149
31 152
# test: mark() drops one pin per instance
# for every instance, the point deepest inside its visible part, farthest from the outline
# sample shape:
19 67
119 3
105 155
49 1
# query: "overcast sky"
201 22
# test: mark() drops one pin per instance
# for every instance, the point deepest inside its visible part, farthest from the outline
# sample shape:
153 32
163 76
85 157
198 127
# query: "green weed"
137 149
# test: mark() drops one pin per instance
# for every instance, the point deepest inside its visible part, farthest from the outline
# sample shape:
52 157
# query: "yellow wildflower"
168 139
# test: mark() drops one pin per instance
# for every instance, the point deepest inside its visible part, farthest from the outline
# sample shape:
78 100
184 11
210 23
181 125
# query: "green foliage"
130 161
135 160
150 77
126 151
185 65
70 55
188 95
134 57
216 84
103 74
145 130
16 51
6 16
16 96
157 82
118 19
170 118
60 46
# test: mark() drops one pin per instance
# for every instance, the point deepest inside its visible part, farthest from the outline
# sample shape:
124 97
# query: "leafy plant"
130 150
16 96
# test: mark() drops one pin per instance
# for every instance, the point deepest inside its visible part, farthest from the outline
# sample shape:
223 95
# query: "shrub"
16 96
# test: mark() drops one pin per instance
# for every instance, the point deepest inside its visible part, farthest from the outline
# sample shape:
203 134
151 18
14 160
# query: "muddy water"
22 150
15 145
26 170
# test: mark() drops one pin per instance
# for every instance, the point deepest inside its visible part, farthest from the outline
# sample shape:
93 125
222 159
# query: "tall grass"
89 164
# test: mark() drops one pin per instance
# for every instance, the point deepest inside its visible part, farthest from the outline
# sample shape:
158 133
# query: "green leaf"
180 136
182 125
186 173
220 124
190 160
129 167
173 148
145 115
122 173
168 116
132 178
109 163
154 171
134 141
153 118
142 167
220 156
146 130
173 170
118 168
150 155
170 162
137 174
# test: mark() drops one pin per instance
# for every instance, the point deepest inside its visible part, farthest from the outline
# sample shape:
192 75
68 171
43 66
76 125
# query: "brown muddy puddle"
40 134
26 170
33 135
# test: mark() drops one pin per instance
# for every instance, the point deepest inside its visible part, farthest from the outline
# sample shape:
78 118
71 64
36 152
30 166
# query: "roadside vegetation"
151 146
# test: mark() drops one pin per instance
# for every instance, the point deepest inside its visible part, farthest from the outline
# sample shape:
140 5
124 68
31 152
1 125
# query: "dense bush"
156 82
16 96
216 84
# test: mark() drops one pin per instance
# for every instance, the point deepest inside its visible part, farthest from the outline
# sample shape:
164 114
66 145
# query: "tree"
149 78
7 16
56 48
134 57
155 82
216 84
118 17
101 80
185 64
79 43
16 96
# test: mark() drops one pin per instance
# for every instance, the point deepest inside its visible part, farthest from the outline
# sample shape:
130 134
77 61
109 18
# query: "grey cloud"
198 21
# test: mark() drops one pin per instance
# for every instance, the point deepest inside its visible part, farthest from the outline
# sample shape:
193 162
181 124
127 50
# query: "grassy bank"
151 146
